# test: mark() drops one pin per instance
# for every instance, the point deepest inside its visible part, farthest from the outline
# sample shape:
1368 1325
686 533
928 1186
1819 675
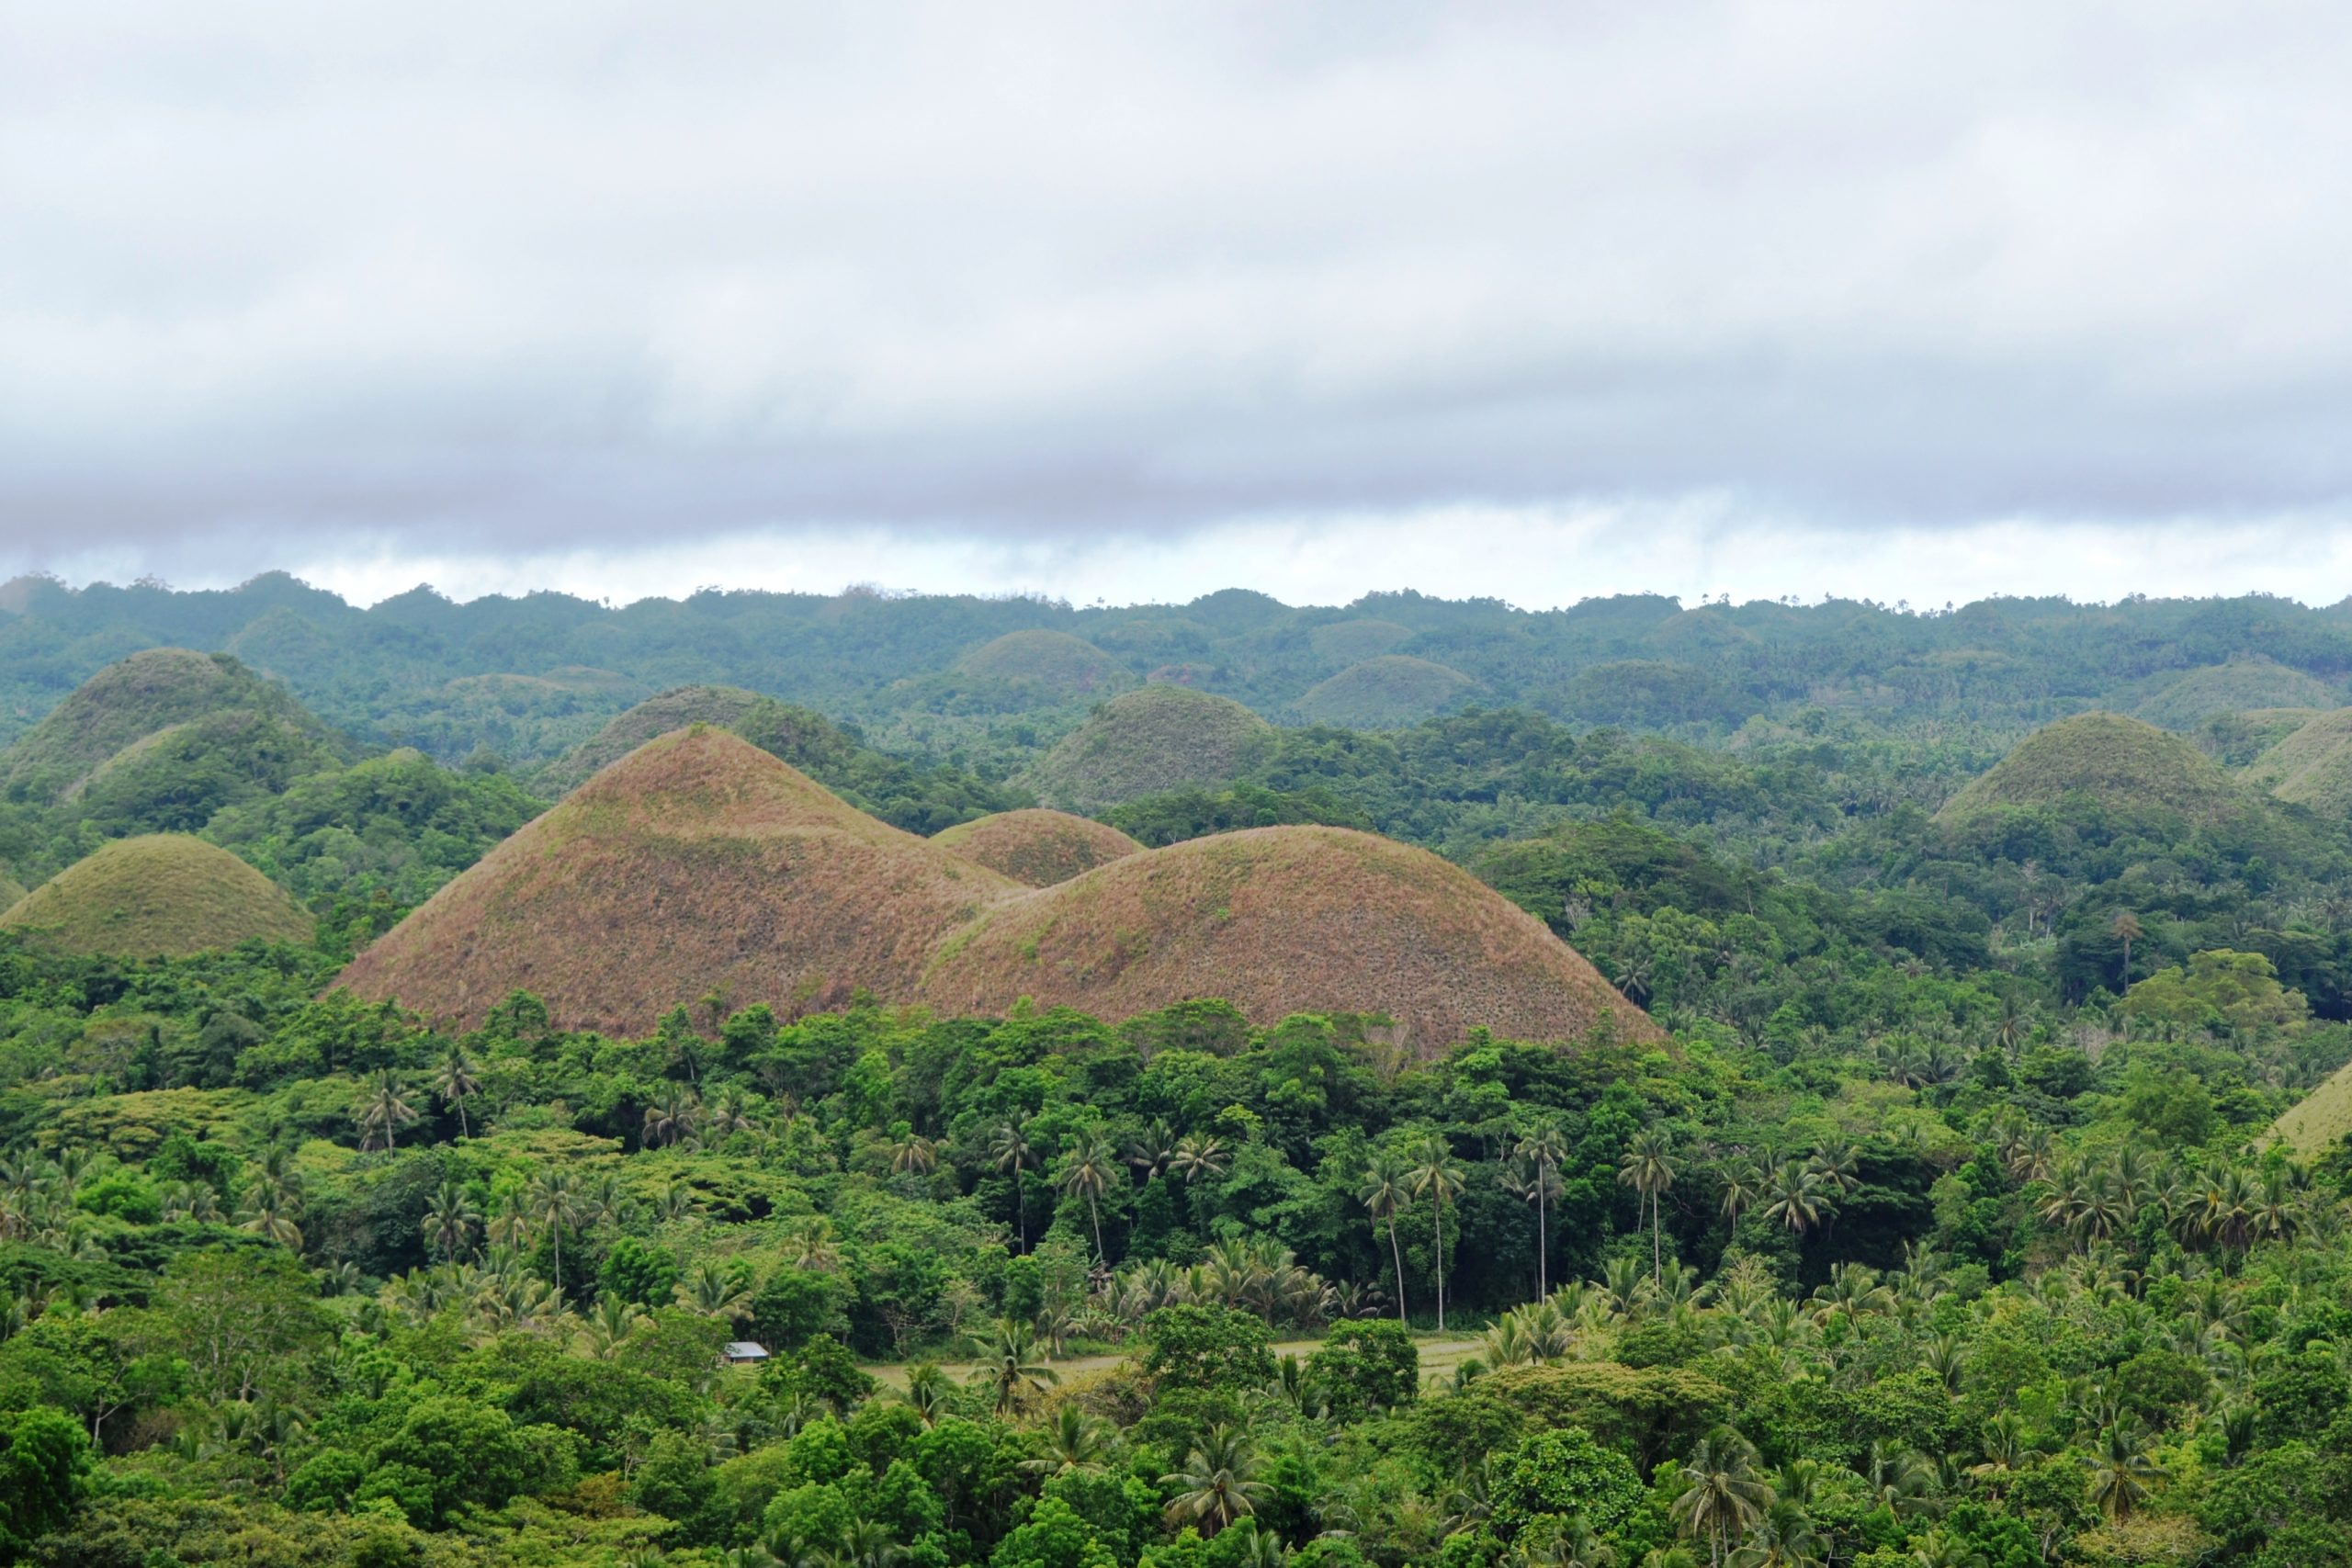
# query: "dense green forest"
1947 1226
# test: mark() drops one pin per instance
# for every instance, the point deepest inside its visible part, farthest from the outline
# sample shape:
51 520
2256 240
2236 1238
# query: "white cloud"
1094 291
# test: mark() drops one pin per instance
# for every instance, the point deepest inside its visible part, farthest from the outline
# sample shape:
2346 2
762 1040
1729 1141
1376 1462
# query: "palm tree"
551 1200
384 1109
451 1221
810 1243
713 1292
913 1155
1742 1187
1074 1440
1436 1173
1544 1147
1088 1168
1007 1366
1151 1150
1197 1156
2127 929
1386 1193
1010 1147
611 1324
1219 1481
1794 1197
1648 1168
268 1212
670 1118
453 1079
1725 1496
2122 1472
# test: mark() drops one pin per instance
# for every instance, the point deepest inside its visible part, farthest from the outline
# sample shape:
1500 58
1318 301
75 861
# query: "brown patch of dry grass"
696 862
1037 848
1280 921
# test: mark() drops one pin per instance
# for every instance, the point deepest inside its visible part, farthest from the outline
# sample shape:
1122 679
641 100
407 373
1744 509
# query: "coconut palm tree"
671 1117
1218 1483
1088 1169
2122 1472
1198 1157
610 1325
810 1244
713 1292
455 1081
1074 1440
1009 1366
269 1212
1435 1172
1151 1150
1647 1167
551 1201
384 1109
1010 1149
1544 1146
1725 1496
1793 1196
913 1155
2127 929
1742 1187
451 1221
1385 1191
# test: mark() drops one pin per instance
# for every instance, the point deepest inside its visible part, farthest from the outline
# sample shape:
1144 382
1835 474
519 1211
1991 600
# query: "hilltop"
162 894
2241 684
187 710
807 740
1054 663
1278 921
697 863
1036 847
1386 692
2312 766
2120 763
1161 738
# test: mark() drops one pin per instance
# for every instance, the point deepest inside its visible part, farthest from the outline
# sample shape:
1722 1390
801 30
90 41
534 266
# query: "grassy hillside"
1384 694
164 894
2120 763
1161 738
698 864
118 721
1037 848
2320 1120
1055 662
1280 921
2243 683
2312 766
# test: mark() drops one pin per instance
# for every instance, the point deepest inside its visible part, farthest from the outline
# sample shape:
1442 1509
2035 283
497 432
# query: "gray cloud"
535 276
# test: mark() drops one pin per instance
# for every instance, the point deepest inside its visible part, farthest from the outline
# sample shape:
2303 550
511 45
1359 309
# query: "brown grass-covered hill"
2120 762
1280 921
2313 766
1051 661
161 697
697 861
796 734
1161 738
1037 848
164 894
1386 692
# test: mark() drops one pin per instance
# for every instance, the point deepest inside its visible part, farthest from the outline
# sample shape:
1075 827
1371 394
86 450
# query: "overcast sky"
1132 301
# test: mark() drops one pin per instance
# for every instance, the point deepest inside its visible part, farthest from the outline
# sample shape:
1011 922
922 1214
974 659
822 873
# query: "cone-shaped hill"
2243 685
697 862
163 699
1053 662
2123 764
1161 738
2312 766
1387 692
1037 848
807 740
1280 921
165 895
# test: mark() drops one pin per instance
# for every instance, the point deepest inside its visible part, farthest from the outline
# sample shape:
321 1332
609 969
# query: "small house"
744 1353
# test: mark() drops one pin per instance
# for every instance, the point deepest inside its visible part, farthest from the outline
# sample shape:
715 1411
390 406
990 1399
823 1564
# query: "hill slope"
164 894
2245 682
2319 1119
1280 921
1393 690
1051 662
808 736
1161 738
1037 848
696 862
114 719
2122 763
2313 766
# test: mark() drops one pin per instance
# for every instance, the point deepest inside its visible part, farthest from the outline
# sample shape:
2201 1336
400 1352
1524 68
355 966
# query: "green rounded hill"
2243 685
1387 692
1037 848
2120 763
805 739
1280 921
1051 662
698 863
1346 642
164 895
2312 766
203 709
1161 738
